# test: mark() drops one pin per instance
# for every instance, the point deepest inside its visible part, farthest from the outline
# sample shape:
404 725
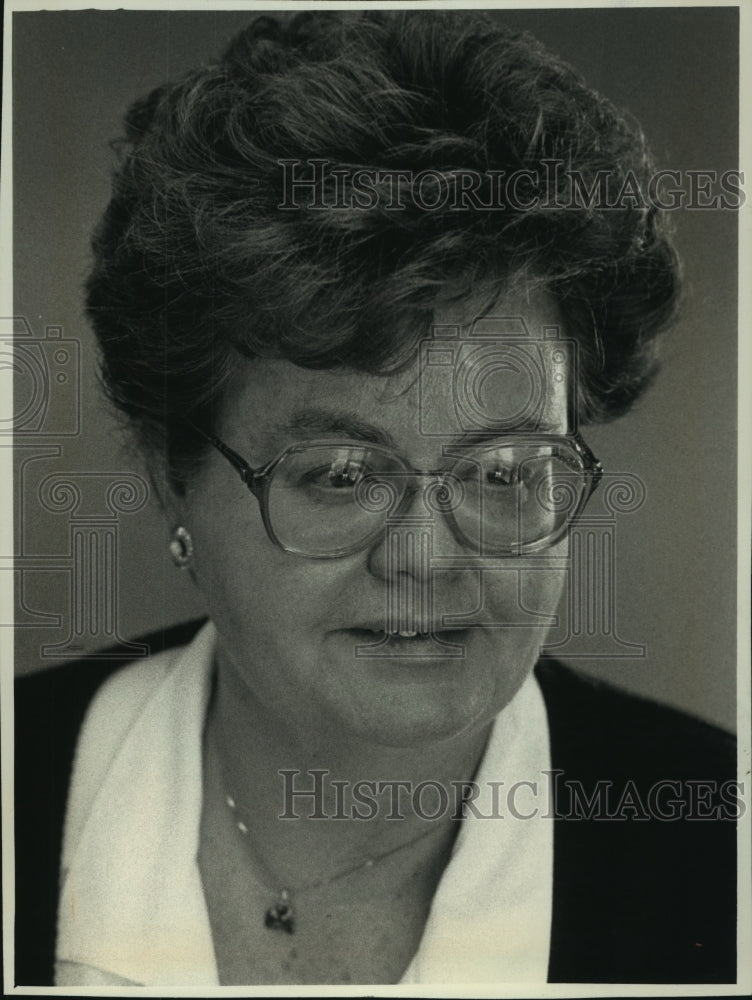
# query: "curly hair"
195 260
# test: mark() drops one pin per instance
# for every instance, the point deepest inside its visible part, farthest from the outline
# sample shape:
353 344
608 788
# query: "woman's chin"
420 691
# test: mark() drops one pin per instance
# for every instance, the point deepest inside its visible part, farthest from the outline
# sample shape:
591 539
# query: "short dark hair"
194 258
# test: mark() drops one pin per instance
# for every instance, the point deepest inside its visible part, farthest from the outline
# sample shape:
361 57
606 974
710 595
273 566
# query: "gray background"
677 72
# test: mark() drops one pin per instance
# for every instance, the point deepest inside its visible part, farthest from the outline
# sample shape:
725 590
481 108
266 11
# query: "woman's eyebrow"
313 421
483 435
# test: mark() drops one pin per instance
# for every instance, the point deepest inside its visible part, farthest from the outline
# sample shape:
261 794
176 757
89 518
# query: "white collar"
132 903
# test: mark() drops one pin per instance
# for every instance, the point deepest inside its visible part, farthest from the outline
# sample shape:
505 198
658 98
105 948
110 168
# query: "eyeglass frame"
258 480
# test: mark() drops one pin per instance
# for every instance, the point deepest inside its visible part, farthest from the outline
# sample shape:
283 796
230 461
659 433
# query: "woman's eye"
344 477
339 476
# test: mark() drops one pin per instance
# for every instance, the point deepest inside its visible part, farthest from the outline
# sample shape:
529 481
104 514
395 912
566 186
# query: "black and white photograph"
376 557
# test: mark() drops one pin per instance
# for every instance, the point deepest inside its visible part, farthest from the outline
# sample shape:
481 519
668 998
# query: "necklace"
281 914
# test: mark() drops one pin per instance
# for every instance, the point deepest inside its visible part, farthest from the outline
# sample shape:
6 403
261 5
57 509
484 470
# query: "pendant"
280 916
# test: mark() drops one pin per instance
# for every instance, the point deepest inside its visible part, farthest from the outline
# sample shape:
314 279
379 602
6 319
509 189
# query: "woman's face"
288 626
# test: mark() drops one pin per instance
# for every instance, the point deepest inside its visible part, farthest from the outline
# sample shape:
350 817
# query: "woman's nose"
416 532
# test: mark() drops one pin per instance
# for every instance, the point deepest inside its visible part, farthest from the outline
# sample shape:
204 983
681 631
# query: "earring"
181 547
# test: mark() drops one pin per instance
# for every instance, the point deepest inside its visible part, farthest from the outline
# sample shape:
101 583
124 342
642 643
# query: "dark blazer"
644 871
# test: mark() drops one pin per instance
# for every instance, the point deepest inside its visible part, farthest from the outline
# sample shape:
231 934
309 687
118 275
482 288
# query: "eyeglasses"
509 497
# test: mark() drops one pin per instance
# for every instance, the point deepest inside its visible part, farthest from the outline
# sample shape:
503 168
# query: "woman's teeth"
401 633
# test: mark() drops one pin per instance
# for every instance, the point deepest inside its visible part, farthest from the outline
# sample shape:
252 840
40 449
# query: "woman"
359 285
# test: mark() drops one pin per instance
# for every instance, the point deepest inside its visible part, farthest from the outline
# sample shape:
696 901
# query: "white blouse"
132 909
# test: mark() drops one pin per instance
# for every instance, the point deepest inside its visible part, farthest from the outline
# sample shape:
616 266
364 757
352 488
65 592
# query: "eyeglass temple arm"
596 474
594 465
248 475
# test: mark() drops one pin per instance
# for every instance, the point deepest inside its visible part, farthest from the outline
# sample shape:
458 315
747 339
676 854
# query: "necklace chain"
281 915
